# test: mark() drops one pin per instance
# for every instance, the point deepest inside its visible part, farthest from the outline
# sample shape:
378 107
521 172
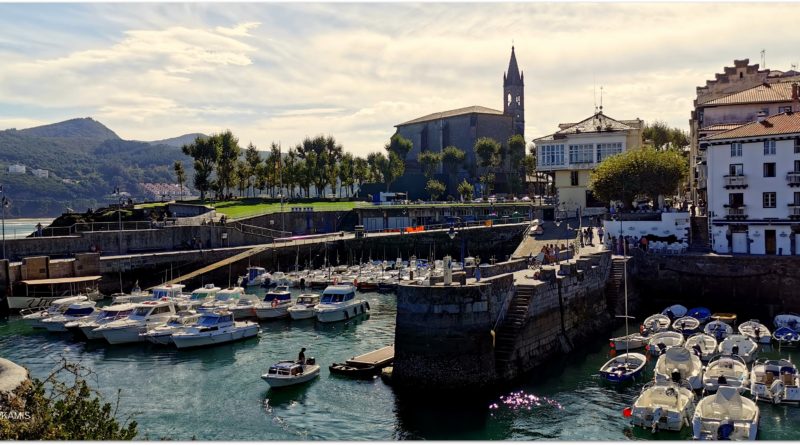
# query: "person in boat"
302 284
721 380
301 357
698 351
757 330
676 375
735 350
662 347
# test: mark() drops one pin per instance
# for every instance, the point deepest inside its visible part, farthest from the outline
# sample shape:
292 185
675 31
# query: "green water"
216 393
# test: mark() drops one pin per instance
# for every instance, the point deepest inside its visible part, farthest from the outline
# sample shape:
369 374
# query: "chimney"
761 116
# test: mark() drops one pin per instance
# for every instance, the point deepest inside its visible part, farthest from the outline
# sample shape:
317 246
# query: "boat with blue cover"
702 314
786 337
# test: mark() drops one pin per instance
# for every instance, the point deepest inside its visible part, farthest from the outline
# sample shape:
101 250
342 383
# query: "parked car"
525 198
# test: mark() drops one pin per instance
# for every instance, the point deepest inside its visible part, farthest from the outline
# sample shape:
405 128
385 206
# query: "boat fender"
776 389
366 303
346 315
641 329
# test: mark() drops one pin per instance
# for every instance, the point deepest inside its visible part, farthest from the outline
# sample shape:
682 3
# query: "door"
769 242
739 242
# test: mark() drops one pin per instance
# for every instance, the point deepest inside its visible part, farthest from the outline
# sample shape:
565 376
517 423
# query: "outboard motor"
735 350
310 361
676 376
725 430
721 380
662 348
698 351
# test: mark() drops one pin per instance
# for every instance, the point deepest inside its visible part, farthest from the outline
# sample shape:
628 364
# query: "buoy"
611 344
627 412
346 315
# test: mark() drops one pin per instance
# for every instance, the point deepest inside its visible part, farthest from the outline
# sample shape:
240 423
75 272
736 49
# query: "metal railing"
735 180
259 231
456 226
736 211
793 177
794 209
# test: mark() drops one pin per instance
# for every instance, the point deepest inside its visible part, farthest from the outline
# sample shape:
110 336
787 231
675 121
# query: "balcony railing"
794 210
739 212
735 181
793 178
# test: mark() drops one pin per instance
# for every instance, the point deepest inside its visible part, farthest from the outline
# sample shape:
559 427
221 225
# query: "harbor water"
217 393
22 227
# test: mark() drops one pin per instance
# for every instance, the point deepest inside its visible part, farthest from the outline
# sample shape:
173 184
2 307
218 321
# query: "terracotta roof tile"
784 123
451 113
766 92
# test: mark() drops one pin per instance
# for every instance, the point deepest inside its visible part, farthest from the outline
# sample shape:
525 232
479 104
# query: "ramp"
218 264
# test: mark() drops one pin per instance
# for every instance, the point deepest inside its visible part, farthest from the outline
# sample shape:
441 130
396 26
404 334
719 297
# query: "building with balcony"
754 186
570 154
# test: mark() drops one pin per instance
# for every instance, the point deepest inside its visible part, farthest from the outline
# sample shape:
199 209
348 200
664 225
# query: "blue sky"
279 72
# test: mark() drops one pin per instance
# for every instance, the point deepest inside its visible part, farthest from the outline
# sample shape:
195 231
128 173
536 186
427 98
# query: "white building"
571 153
40 173
754 187
17 169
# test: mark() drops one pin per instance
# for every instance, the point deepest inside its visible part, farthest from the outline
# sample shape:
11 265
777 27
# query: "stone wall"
12 378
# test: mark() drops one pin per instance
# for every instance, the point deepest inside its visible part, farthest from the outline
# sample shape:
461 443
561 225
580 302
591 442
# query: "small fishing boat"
303 307
702 345
702 314
367 285
686 325
256 276
655 323
214 328
678 364
775 381
659 343
81 310
725 415
162 334
718 329
786 337
386 374
244 307
624 367
288 372
663 406
725 317
339 303
204 294
729 370
275 304
631 341
675 311
740 345
789 320
756 331
223 299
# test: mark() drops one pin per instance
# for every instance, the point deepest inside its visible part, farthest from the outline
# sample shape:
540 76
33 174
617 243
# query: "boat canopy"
308 299
214 319
76 310
337 298
68 280
280 296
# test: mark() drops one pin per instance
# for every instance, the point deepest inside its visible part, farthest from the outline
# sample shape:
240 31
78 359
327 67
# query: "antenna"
763 58
794 66
601 98
594 85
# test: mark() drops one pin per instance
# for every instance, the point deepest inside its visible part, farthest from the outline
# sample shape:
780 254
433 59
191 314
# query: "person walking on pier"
600 234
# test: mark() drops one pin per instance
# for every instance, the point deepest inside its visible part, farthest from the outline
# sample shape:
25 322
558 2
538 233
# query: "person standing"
600 233
301 357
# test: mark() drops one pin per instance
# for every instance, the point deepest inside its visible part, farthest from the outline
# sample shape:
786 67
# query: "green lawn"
244 208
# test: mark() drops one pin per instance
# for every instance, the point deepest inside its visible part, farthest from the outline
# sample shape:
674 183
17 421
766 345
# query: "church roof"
596 123
512 76
452 113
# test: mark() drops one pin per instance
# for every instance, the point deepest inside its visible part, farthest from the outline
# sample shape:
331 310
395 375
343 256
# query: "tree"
229 152
429 161
360 171
465 189
262 175
391 167
487 183
374 171
252 158
646 172
347 172
516 151
242 175
290 171
488 151
180 174
529 166
435 189
399 146
663 136
205 151
452 158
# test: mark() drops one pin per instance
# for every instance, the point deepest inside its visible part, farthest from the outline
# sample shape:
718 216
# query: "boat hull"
271 313
278 381
214 337
330 315
129 334
242 313
366 372
302 314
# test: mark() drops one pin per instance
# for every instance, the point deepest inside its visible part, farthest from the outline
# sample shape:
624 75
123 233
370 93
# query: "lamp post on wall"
4 202
119 217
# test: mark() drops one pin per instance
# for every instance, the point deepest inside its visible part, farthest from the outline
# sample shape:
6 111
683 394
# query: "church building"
462 127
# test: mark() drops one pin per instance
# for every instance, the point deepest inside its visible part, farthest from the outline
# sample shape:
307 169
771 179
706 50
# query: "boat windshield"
200 295
115 314
73 311
159 293
212 320
141 311
305 300
276 296
337 298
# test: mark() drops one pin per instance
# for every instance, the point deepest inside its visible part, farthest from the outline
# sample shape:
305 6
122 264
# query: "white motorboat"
339 303
223 299
624 367
726 370
725 415
204 294
146 315
287 373
679 364
256 276
245 307
739 345
718 329
280 279
789 320
214 328
631 341
86 328
304 307
702 345
660 342
686 325
663 406
162 334
654 324
675 311
40 294
165 291
775 381
35 316
275 304
81 310
756 331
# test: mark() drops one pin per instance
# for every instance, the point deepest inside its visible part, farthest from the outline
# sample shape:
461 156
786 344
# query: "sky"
282 71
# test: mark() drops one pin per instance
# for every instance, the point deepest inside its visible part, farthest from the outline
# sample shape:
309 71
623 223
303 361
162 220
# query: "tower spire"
512 76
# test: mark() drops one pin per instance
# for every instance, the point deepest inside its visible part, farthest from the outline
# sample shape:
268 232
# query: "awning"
68 280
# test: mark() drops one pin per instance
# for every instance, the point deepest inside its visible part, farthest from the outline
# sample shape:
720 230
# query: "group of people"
552 252
587 236
620 245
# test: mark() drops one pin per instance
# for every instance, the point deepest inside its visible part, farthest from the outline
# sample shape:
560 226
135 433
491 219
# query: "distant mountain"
179 141
86 128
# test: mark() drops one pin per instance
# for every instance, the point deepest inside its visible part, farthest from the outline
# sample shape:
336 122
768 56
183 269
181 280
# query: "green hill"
86 161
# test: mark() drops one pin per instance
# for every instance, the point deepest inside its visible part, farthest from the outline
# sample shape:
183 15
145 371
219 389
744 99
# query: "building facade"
462 127
754 187
571 153
17 169
40 173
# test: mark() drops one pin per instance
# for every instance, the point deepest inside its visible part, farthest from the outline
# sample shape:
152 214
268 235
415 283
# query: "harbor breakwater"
490 332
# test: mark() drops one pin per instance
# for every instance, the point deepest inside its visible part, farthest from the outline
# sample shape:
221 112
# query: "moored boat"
86 328
725 415
728 370
654 324
686 325
756 331
81 310
631 341
146 315
624 367
702 314
702 345
788 320
786 337
256 276
725 317
275 304
663 406
39 294
162 334
35 316
339 303
659 343
675 311
679 364
740 345
214 328
775 381
304 307
718 329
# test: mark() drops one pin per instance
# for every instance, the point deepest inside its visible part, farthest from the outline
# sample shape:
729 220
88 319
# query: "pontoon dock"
378 358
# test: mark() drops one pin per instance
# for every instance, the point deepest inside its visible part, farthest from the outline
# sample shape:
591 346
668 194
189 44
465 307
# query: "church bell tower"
514 95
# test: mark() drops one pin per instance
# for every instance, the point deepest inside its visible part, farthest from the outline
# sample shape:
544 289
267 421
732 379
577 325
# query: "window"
608 149
573 178
769 147
797 146
769 200
736 149
551 155
769 169
735 170
735 199
796 201
785 109
796 166
580 153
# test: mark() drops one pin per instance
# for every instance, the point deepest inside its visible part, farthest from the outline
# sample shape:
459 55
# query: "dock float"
378 358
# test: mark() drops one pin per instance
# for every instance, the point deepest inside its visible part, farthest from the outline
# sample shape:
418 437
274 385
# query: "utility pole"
280 179
4 203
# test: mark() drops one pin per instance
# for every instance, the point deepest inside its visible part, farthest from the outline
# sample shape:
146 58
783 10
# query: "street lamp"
119 217
4 202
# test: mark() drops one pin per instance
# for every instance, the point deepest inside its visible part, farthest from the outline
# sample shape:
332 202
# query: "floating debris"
521 400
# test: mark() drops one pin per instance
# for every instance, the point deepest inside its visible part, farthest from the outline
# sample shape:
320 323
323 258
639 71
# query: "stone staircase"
699 230
615 292
513 323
